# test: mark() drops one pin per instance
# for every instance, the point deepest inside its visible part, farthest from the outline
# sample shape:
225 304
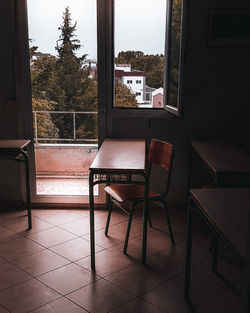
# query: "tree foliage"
124 98
66 82
45 126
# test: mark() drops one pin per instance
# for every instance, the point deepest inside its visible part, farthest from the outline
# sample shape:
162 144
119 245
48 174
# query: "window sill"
140 113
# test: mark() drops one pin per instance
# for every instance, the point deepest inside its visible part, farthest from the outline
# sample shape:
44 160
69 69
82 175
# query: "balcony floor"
63 186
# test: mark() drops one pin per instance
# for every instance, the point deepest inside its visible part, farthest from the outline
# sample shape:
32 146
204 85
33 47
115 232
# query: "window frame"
106 24
178 109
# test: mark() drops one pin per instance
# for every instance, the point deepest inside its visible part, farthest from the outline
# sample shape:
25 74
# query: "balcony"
62 165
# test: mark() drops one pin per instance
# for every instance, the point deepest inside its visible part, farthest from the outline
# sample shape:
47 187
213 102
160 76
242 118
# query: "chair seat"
125 192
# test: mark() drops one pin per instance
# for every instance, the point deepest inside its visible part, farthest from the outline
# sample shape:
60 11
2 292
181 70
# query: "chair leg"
128 228
168 222
110 206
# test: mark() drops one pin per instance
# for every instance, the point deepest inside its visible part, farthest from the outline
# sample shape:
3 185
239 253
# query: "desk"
227 213
115 158
228 165
17 150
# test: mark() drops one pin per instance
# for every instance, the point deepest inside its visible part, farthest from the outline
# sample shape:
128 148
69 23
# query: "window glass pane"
174 51
63 68
139 53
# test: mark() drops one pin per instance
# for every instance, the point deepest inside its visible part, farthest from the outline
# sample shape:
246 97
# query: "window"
129 81
175 44
148 96
135 53
128 49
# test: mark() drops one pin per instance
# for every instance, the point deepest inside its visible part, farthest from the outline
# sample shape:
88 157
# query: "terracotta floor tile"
232 296
137 278
75 249
26 296
10 275
82 212
68 278
40 262
18 248
56 217
100 297
80 227
107 262
136 227
169 262
200 247
52 237
209 285
159 239
114 237
61 305
12 216
138 305
6 234
117 216
121 283
169 297
134 250
217 305
37 225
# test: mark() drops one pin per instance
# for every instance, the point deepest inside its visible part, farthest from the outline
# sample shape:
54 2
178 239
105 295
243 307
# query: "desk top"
223 157
120 155
13 144
228 209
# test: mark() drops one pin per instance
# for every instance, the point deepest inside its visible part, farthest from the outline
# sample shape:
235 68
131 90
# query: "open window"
175 52
148 64
139 44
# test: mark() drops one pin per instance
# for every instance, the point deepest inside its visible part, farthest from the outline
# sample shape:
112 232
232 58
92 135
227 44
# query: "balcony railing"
74 138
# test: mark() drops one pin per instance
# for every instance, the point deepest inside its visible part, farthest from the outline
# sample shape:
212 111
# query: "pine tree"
73 80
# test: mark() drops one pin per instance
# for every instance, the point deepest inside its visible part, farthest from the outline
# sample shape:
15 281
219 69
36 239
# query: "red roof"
121 73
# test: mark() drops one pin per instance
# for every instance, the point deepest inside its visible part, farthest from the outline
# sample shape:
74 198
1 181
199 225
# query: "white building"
133 79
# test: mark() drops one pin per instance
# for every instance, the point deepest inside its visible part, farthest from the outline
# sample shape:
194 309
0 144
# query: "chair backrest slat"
160 153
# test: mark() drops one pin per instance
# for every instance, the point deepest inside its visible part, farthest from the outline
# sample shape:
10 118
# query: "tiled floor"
47 269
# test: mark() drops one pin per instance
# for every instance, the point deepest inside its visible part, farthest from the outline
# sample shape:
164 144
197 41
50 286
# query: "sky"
139 25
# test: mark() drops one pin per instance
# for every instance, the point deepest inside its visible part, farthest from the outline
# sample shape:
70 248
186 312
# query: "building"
135 80
157 97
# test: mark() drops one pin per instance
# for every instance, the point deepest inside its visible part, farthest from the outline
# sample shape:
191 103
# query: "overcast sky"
140 24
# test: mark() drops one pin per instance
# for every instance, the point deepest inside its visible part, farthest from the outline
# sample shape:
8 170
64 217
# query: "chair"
127 196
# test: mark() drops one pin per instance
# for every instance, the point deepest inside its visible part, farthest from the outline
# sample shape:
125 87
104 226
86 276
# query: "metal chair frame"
135 201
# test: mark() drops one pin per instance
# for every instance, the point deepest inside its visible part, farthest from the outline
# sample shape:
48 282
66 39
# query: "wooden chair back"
161 153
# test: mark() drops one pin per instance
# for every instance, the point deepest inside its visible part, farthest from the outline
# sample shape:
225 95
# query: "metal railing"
74 139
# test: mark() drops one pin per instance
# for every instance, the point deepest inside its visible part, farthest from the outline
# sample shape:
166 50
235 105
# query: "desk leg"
91 217
28 200
188 253
145 222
